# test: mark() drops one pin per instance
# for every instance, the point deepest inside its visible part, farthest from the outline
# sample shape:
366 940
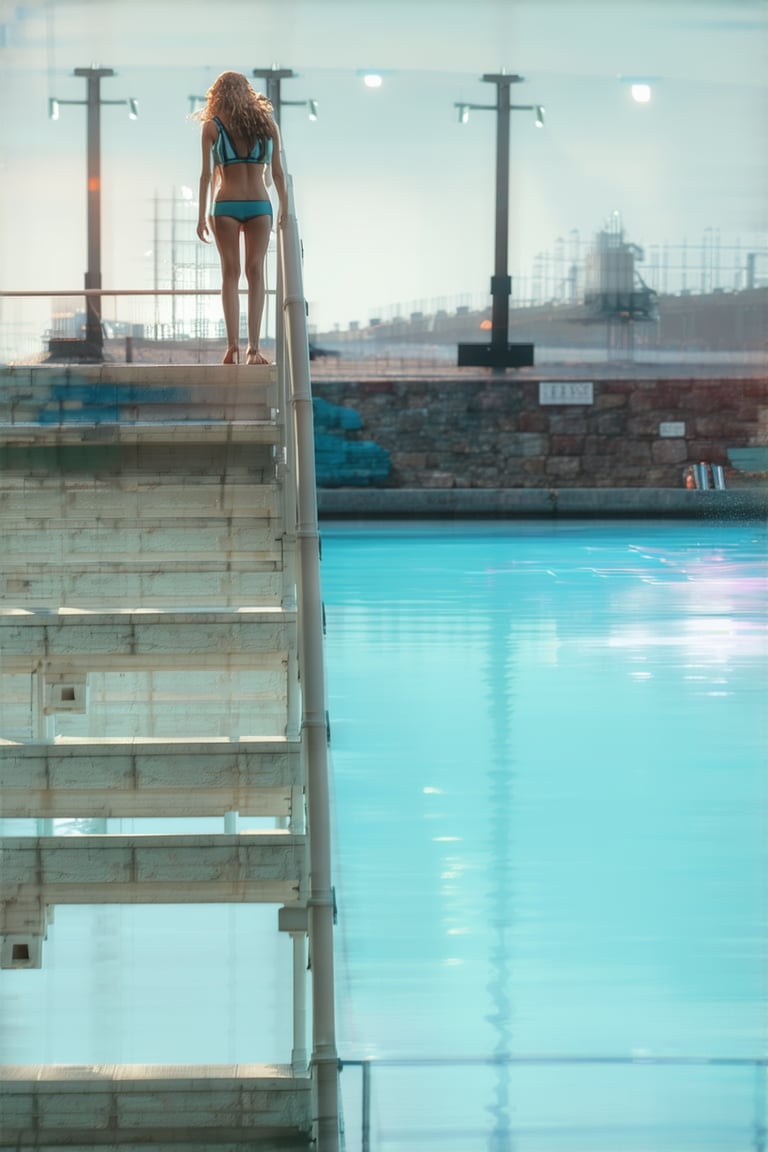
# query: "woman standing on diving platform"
240 138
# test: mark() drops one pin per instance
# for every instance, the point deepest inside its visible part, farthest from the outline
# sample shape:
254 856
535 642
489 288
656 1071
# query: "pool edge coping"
542 502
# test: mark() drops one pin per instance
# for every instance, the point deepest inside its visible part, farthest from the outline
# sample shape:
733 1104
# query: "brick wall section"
486 433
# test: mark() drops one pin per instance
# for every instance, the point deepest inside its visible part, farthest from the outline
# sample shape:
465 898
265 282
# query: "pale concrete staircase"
148 667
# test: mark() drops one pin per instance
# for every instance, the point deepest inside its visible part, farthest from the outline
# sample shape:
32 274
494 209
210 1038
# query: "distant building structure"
615 292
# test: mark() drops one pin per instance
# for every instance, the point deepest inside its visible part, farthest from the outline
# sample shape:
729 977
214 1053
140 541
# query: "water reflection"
500 907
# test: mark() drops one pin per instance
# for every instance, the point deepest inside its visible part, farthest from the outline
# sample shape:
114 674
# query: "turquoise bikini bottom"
242 210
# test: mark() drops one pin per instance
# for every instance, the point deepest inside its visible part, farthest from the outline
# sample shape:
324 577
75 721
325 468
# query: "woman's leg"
257 231
226 231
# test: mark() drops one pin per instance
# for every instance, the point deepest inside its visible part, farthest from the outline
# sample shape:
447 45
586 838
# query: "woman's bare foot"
253 356
232 355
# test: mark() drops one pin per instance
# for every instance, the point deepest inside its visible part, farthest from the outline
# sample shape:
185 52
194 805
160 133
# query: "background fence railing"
185 325
555 1101
162 325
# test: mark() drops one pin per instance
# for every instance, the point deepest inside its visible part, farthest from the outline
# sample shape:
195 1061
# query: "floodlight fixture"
640 87
463 110
53 108
274 77
133 108
310 104
539 109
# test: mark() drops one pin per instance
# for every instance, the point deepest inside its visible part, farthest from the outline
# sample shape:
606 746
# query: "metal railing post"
761 1071
366 1124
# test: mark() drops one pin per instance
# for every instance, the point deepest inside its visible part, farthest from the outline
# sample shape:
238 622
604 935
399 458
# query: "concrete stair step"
190 1108
112 404
136 639
56 702
115 392
83 462
189 539
125 674
40 872
208 431
153 499
99 585
67 521
139 541
151 778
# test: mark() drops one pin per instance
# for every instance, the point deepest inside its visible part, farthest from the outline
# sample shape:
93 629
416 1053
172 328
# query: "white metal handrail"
294 375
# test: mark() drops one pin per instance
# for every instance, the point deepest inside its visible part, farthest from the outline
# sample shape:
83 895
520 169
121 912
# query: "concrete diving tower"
161 656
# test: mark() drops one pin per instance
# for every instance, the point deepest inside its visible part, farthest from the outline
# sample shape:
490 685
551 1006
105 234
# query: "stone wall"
496 433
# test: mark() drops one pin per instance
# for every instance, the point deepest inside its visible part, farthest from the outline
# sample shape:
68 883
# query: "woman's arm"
207 137
278 175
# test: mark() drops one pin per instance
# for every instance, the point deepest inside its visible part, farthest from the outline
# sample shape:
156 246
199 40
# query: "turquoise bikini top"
224 151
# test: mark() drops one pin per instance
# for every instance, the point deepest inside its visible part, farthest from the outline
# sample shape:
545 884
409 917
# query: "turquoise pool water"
549 745
551 822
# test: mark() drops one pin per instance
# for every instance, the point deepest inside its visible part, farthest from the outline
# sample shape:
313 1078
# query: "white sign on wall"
566 392
675 428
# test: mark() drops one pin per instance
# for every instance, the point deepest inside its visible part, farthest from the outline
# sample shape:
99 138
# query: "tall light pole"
274 78
500 353
94 337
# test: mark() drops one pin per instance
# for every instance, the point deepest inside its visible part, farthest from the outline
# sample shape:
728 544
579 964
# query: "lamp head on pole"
310 104
539 111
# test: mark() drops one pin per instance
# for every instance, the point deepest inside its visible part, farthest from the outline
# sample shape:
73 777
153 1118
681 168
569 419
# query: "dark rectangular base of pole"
495 355
72 348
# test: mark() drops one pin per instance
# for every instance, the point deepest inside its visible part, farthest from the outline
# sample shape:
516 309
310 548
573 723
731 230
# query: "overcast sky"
395 197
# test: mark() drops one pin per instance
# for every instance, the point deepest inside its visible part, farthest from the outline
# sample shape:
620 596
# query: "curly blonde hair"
244 111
